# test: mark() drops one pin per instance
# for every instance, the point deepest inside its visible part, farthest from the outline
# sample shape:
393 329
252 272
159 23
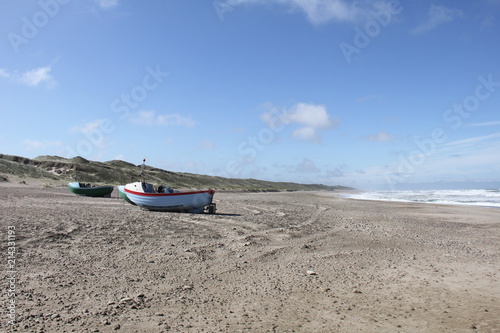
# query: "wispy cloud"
473 157
87 128
317 11
379 137
473 140
461 161
107 4
489 123
150 118
33 78
464 158
95 130
436 16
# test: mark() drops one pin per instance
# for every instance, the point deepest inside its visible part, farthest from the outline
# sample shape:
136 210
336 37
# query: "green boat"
89 190
123 195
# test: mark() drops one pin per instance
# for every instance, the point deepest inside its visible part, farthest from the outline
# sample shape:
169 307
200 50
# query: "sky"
369 94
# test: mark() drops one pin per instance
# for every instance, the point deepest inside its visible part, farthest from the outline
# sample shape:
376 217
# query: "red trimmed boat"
163 198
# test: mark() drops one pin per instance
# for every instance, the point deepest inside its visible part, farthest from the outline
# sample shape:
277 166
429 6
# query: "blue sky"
370 94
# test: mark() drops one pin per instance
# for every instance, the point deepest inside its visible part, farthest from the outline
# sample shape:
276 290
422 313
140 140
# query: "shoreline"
347 195
275 261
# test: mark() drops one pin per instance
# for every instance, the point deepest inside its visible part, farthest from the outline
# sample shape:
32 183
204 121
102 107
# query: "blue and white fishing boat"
163 198
146 196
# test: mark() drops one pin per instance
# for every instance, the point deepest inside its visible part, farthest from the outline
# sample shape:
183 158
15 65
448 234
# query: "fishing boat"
123 195
89 190
163 198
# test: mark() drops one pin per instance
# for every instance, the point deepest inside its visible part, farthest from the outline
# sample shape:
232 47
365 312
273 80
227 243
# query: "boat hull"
192 202
99 191
123 194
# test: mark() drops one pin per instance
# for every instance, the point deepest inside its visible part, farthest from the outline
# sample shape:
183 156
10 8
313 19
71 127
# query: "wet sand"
266 262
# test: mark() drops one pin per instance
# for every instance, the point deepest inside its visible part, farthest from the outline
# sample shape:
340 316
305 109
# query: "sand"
266 262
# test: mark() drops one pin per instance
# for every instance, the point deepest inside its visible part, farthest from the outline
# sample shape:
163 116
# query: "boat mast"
143 171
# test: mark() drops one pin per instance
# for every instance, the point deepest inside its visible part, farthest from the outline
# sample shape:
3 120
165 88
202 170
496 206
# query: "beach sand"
266 262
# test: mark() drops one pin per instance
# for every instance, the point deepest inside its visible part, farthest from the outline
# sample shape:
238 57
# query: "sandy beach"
266 262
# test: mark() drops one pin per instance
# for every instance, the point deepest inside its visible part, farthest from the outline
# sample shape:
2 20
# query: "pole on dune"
143 171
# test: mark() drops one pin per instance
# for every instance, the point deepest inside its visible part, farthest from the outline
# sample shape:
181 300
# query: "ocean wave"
479 197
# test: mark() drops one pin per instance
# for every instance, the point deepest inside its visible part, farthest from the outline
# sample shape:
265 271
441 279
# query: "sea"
486 198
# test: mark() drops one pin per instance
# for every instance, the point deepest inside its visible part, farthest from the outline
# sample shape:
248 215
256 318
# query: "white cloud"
150 118
317 11
38 76
310 118
33 78
314 116
306 133
143 117
436 16
322 11
106 4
